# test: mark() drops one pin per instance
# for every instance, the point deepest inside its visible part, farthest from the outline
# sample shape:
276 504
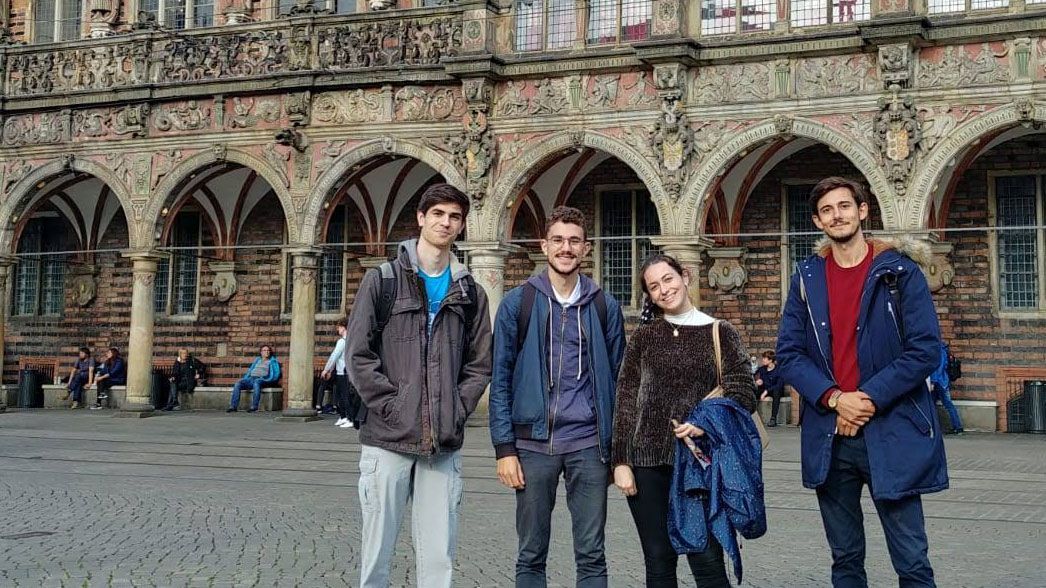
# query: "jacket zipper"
813 323
419 284
559 376
897 329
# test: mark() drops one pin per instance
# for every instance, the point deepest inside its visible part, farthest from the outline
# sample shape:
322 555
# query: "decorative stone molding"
668 18
103 14
895 64
952 66
897 134
672 140
540 261
224 285
84 284
389 42
1022 58
728 271
940 273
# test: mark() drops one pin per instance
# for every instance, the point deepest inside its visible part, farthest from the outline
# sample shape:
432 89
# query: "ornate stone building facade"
188 172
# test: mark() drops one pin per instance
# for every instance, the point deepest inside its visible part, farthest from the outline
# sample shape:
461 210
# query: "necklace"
685 318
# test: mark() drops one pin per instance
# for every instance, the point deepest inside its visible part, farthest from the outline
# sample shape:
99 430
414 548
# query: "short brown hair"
769 355
568 215
857 190
443 194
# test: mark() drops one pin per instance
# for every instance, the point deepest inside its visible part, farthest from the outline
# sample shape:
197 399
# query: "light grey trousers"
387 481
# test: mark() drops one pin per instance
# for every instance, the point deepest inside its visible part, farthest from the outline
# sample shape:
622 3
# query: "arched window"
57 20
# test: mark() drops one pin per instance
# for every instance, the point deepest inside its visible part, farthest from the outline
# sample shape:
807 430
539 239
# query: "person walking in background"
669 367
419 353
857 340
264 371
942 388
558 342
768 383
335 368
112 372
80 377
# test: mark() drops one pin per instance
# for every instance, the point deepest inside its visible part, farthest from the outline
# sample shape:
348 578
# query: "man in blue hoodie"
264 371
558 343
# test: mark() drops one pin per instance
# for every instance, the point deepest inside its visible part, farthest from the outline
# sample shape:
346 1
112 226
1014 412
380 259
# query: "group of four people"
570 399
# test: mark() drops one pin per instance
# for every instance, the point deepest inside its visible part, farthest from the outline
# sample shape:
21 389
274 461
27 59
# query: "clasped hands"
853 410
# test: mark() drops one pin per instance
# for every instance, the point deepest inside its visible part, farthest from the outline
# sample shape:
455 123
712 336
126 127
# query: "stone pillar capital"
488 253
305 252
144 257
688 247
7 260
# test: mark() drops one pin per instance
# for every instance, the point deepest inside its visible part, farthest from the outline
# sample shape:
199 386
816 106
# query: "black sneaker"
772 423
230 410
252 410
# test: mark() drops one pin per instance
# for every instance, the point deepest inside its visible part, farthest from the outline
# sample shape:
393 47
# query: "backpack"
388 297
527 305
954 368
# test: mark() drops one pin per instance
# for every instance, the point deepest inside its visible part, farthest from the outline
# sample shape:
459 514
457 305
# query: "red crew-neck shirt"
845 288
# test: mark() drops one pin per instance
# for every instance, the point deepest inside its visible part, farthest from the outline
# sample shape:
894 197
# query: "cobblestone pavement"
208 499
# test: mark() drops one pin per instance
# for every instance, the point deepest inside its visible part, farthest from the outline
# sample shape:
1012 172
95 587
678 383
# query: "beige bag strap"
717 349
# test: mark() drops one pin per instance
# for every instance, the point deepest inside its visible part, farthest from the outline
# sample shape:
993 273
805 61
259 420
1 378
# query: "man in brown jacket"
419 352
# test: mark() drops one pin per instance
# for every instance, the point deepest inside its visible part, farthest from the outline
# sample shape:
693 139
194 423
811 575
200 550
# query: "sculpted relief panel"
389 42
353 106
418 103
958 66
37 129
836 76
520 98
746 82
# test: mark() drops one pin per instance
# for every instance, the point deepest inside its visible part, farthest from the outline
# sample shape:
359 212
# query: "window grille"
57 20
799 220
39 280
625 216
1018 258
332 265
186 263
611 21
806 13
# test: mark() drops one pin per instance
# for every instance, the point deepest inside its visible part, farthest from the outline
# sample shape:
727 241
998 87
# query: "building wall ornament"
954 67
550 97
47 128
329 153
84 284
672 139
102 15
1022 58
746 82
897 135
938 122
389 42
940 273
130 121
224 285
417 103
728 271
189 116
839 75
353 106
895 64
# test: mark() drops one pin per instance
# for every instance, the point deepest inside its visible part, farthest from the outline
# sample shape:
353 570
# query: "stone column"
487 264
686 249
140 345
7 265
298 385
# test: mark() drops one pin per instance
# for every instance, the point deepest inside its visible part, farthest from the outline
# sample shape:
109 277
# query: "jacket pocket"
917 415
368 485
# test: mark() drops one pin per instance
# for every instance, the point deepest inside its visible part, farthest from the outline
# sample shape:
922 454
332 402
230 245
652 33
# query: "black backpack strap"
601 309
526 306
387 296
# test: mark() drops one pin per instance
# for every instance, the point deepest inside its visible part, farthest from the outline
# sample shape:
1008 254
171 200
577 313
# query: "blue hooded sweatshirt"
555 392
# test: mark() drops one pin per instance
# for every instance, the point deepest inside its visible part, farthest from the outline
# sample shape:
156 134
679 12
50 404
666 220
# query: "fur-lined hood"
915 249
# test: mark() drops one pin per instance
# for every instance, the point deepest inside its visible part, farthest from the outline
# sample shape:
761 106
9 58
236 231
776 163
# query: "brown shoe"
75 405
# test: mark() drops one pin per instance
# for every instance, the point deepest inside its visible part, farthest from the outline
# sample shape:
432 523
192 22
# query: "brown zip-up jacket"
418 390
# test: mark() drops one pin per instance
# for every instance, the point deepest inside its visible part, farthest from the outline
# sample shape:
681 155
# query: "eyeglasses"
574 242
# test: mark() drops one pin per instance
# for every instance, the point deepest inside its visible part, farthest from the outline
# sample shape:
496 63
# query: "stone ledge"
784 413
218 397
53 396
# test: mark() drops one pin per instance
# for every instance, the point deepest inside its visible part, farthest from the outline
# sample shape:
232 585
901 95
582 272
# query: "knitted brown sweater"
664 377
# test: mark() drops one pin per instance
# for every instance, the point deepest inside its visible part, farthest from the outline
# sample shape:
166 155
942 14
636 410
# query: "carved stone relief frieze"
278 158
243 54
956 66
130 121
164 163
512 102
298 106
352 106
328 154
14 173
728 271
37 129
247 113
835 76
938 122
389 42
188 116
746 82
603 91
672 138
417 103
640 91
550 97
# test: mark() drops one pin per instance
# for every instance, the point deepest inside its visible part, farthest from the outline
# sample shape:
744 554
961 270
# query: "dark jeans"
350 398
250 383
105 391
175 389
586 479
840 501
76 386
776 404
945 396
649 509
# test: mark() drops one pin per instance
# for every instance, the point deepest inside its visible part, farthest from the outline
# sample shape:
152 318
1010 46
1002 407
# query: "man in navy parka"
858 339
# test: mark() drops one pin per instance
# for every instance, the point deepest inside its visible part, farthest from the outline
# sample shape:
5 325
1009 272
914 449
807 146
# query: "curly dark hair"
568 215
650 310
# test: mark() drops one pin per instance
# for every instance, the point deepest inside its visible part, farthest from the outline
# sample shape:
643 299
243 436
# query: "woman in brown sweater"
668 368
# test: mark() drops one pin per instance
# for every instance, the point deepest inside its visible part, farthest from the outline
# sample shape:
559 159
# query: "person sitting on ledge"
185 376
80 377
264 371
112 372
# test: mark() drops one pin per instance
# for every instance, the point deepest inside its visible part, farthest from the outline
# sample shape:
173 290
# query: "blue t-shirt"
436 288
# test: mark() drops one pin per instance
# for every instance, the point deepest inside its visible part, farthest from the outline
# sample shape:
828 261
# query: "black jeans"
840 501
776 404
175 388
649 509
105 392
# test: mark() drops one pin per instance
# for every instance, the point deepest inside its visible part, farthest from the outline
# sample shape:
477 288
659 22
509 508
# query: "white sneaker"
341 421
348 424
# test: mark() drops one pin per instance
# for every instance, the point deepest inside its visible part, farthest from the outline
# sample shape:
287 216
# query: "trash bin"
30 389
159 390
1035 402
